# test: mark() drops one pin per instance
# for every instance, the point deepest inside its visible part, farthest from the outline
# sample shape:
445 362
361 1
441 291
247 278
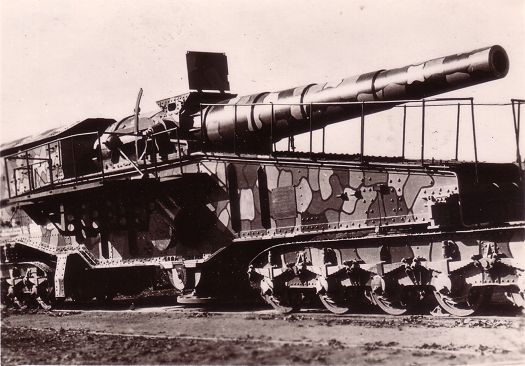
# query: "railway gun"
199 195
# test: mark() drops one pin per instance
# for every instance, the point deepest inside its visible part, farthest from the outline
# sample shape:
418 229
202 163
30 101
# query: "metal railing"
40 169
53 166
44 166
423 104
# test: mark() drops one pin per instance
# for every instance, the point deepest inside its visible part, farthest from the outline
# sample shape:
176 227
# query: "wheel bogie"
400 275
27 284
394 275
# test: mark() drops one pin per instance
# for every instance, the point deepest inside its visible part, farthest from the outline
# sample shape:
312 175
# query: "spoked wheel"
333 303
285 303
461 306
389 304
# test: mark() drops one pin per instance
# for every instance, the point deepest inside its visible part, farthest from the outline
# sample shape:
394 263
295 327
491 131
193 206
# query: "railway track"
155 305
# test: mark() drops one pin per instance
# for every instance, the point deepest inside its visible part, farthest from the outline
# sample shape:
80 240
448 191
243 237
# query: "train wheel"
334 304
284 304
388 295
462 306
389 305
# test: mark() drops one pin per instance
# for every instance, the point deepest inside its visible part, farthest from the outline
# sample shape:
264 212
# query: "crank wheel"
389 305
283 305
463 306
334 305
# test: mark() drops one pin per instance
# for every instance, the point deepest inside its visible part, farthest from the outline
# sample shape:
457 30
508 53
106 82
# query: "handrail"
97 150
397 101
421 103
24 155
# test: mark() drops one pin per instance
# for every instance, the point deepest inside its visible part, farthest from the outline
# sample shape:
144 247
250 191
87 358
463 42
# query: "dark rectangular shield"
207 71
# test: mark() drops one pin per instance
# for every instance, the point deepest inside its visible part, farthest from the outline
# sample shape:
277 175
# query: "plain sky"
64 61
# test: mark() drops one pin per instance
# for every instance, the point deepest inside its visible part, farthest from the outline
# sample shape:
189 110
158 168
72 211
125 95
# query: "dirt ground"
172 335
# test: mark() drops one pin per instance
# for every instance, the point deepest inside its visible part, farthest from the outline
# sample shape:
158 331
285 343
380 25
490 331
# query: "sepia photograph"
262 183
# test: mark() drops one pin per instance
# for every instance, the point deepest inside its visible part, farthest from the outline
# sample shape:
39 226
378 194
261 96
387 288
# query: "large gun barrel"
253 121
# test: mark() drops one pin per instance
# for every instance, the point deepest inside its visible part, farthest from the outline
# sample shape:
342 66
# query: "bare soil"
171 335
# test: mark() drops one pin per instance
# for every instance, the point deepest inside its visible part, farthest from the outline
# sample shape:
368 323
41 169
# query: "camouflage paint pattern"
253 118
155 236
305 199
295 199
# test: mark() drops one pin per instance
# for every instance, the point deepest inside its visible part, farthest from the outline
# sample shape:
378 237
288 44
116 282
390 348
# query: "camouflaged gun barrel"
251 120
